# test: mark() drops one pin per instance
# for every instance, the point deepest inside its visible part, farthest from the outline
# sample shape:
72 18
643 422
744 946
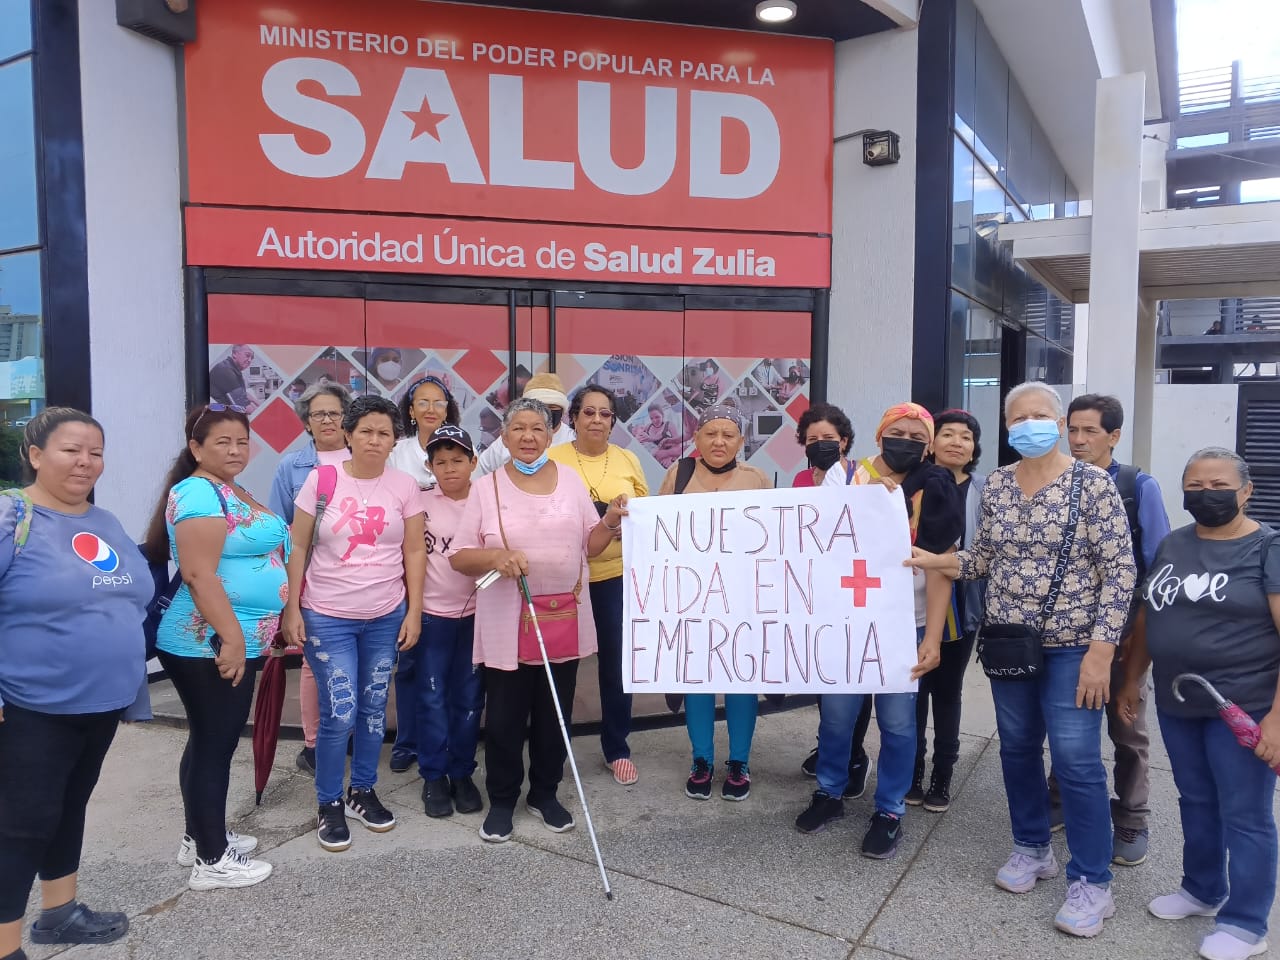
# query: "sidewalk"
696 880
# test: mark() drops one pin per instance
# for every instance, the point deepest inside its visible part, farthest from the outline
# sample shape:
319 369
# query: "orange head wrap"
905 411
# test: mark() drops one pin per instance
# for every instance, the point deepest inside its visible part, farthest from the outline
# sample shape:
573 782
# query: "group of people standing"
368 557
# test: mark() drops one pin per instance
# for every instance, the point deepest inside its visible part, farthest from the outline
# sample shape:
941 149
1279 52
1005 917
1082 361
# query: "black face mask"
1211 508
823 454
901 454
556 417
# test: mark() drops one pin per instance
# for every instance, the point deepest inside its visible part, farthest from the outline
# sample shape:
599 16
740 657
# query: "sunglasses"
216 408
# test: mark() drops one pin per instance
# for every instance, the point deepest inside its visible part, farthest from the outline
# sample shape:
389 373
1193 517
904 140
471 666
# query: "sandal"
624 771
83 926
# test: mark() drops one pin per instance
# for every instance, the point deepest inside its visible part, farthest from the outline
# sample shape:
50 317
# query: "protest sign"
768 591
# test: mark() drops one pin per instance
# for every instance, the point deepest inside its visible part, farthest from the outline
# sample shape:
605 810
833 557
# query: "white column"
1138 422
1113 272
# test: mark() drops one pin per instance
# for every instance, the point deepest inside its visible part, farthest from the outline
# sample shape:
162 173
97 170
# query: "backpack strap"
326 485
1127 484
23 511
684 473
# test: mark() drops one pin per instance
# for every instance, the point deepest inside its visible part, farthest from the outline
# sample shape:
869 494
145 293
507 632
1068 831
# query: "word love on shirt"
1163 587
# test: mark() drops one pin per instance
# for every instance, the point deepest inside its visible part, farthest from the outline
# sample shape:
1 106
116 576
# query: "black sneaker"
497 825
331 827
859 773
915 796
698 786
822 810
937 798
436 800
552 813
737 782
364 805
810 765
466 798
401 762
306 761
881 841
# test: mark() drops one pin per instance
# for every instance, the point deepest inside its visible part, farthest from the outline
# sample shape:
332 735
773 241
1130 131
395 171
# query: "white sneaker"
242 842
1086 907
1178 906
1021 871
233 870
1221 945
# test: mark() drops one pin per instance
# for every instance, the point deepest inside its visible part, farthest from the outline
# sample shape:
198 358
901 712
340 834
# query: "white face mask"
388 370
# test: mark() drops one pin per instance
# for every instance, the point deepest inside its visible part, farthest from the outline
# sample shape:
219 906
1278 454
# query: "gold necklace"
591 487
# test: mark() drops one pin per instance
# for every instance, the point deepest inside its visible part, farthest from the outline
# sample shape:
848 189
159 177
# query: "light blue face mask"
1034 438
529 469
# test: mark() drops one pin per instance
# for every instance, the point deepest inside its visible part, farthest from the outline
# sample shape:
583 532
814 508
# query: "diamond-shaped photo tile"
631 382
234 383
388 367
434 366
332 365
664 427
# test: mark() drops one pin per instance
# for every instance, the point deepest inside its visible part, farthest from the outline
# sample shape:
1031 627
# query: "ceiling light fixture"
775 11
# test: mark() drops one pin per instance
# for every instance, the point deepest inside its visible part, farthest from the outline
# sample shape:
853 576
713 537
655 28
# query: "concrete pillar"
1113 272
1138 422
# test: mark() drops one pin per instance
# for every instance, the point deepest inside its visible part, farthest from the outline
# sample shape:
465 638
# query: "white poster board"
768 591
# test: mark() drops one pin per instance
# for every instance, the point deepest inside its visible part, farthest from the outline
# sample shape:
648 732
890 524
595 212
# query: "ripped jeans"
353 661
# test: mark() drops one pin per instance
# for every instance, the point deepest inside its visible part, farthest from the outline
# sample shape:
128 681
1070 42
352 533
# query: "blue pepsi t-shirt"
252 570
72 604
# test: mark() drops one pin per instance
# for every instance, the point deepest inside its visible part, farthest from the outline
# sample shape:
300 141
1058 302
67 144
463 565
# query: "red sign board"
277 239
405 106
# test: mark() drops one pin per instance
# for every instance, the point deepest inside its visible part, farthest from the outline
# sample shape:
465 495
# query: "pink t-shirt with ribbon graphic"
357 569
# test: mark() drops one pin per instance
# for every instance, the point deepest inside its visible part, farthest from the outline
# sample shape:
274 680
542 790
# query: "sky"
1213 33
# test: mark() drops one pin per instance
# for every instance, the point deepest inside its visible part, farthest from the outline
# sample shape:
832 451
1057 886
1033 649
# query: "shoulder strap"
1127 484
23 511
684 473
577 587
326 484
871 468
1068 541
850 471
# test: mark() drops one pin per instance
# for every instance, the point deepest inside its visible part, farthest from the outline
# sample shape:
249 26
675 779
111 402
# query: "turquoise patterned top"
252 570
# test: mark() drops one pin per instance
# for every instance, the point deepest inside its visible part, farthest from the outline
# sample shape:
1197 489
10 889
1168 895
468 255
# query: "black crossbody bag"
1014 651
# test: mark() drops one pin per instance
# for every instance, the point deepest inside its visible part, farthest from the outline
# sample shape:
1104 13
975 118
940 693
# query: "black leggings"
216 715
944 686
49 765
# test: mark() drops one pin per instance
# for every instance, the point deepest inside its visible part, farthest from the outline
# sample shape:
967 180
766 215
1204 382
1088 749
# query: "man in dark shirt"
226 379
1093 430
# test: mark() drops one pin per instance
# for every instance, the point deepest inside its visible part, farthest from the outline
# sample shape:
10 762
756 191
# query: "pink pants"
309 701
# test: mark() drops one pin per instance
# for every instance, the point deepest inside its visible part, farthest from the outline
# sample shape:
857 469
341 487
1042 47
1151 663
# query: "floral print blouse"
252 570
1017 543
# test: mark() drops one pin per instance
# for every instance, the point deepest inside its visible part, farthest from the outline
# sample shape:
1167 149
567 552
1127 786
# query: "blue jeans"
352 661
1025 712
450 697
615 706
700 721
896 717
1225 794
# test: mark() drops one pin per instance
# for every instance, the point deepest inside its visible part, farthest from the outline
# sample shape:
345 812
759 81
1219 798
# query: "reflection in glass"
18 223
992 141
22 386
961 216
965 80
982 371
15 27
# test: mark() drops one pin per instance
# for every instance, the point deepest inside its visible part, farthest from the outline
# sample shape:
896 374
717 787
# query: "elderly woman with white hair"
1053 541
548 390
531 518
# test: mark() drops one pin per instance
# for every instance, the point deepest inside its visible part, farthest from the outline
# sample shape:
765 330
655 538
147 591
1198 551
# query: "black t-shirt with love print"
1207 613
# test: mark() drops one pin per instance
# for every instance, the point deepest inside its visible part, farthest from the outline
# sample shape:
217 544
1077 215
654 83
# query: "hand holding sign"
772 591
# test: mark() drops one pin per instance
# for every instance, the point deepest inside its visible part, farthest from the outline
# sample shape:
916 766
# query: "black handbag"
1015 651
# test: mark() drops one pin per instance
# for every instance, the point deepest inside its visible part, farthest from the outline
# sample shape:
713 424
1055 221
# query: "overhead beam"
904 13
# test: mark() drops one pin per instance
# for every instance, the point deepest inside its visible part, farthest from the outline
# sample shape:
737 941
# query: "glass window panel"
988 214
1020 179
21 356
992 94
982 372
1045 169
966 40
19 226
15 27
961 216
1071 206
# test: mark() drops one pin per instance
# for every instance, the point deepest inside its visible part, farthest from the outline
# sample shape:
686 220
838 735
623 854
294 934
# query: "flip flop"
83 926
624 771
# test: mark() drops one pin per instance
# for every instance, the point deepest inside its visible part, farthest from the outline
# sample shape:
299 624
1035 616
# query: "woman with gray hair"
1212 602
321 408
1053 541
533 518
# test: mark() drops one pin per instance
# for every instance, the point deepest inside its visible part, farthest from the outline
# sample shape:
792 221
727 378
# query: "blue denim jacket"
290 476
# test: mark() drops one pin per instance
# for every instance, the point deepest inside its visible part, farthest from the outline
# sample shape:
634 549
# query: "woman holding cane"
532 518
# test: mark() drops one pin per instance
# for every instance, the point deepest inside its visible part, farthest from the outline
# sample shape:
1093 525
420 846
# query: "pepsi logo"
95 551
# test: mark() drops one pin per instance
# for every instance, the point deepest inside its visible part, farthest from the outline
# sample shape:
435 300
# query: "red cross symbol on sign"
860 583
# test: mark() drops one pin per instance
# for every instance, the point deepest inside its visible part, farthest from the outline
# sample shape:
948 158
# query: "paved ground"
693 880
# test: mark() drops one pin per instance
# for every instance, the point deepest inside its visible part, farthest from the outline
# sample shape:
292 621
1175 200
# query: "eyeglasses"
591 414
431 404
215 408
326 416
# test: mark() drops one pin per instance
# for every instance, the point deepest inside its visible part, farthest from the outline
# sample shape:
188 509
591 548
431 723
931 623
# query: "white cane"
564 731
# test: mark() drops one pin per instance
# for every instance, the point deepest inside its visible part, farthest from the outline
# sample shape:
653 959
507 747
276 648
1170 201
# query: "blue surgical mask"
529 469
1034 438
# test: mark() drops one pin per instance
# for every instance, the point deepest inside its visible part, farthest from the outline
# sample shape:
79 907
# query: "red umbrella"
1242 726
266 717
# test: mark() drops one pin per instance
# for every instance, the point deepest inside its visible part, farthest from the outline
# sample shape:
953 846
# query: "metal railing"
1220 100
1231 316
